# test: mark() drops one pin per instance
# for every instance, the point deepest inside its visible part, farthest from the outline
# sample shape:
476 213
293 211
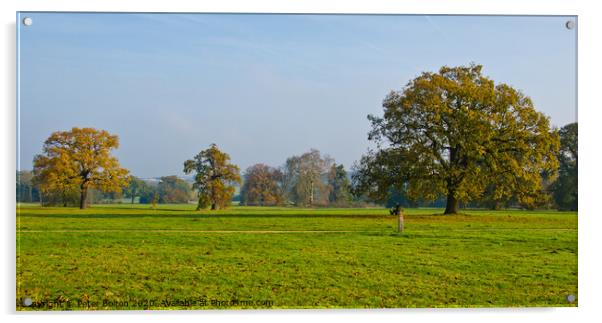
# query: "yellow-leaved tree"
79 160
215 177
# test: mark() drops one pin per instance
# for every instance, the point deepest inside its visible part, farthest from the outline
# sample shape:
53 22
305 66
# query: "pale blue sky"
263 87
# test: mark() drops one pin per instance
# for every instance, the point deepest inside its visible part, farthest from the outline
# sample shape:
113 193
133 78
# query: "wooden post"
400 221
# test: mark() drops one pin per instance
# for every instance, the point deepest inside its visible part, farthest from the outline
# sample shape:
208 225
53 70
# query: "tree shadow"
149 208
190 215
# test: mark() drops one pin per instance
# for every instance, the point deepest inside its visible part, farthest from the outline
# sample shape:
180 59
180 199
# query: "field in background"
133 257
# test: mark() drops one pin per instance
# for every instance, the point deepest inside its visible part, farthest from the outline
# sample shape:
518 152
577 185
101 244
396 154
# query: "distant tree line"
309 179
169 189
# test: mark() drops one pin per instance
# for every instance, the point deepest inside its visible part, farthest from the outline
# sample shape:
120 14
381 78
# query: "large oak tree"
455 133
215 177
80 159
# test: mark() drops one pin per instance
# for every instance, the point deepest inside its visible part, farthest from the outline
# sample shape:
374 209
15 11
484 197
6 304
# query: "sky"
262 87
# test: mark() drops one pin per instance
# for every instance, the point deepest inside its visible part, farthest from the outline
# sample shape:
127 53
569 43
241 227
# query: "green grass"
107 256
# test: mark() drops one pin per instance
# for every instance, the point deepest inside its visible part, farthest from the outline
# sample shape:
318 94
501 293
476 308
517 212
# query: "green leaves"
566 187
455 133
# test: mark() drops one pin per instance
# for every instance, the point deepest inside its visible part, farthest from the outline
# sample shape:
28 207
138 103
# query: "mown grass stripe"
289 231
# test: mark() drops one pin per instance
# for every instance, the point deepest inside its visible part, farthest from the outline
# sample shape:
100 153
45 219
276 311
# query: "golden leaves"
78 160
214 177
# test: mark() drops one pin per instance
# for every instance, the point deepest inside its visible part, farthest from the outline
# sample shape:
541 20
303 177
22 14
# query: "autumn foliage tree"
454 133
214 179
79 160
262 186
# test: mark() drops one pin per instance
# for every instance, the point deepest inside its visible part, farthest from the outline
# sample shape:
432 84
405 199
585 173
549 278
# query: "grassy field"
133 257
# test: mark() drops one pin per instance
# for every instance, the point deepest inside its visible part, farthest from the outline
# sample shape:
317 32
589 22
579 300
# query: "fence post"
400 221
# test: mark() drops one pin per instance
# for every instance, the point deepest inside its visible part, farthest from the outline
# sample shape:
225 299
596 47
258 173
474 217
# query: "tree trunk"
64 196
213 198
83 197
133 197
311 193
452 204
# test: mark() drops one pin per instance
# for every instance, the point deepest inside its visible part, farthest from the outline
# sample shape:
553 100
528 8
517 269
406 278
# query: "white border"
589 27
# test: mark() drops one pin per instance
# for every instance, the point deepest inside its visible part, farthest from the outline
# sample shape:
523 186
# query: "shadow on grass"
138 212
192 209
191 215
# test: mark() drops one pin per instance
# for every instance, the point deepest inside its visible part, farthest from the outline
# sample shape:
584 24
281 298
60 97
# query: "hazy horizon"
263 87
